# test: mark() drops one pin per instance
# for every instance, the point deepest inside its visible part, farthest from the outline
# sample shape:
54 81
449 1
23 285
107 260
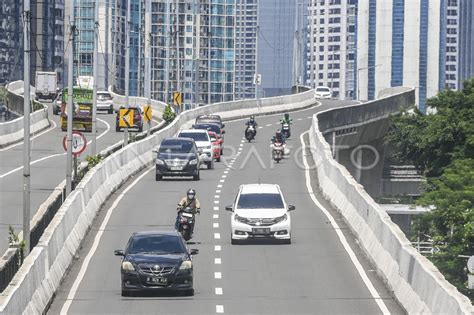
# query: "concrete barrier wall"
12 131
39 277
415 281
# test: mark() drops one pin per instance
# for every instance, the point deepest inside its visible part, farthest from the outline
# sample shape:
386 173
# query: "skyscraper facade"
11 37
466 41
332 46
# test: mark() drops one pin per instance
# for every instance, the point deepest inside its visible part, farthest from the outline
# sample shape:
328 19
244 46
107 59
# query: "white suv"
105 101
203 143
322 92
260 211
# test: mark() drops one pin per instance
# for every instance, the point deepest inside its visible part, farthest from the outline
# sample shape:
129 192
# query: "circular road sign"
79 143
470 264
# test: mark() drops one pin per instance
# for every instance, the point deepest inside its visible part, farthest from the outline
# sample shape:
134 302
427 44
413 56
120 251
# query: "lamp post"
358 71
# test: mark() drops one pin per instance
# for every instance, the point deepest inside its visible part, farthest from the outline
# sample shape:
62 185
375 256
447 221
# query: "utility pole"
168 43
148 38
96 78
26 125
127 68
178 57
70 101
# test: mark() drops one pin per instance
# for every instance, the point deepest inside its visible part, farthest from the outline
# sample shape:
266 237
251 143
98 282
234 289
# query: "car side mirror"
229 208
291 207
194 251
119 252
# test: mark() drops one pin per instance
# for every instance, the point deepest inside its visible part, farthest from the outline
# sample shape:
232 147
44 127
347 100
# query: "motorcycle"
277 151
186 222
250 133
285 129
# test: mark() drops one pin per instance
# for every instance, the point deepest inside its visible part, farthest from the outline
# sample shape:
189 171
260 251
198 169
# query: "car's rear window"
156 244
259 201
319 89
176 147
103 97
210 127
197 136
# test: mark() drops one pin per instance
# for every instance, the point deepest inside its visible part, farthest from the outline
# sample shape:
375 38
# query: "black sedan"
156 261
177 157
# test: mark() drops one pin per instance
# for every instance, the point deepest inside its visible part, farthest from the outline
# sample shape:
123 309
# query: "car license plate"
176 168
261 231
157 280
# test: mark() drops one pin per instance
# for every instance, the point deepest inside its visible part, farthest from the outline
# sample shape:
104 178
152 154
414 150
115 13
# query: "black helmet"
191 193
287 116
252 118
278 132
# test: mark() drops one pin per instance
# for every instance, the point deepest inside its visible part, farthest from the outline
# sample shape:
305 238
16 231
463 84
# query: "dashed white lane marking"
217 197
309 117
219 186
260 127
217 248
241 145
218 191
224 176
95 245
216 208
268 125
215 225
215 216
216 202
219 309
217 236
222 180
218 291
240 149
242 141
300 119
217 275
375 295
52 127
217 261
226 172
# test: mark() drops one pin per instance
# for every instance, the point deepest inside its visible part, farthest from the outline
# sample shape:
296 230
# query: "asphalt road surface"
48 169
313 275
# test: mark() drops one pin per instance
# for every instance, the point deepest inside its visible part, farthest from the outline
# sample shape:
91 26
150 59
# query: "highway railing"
415 281
39 276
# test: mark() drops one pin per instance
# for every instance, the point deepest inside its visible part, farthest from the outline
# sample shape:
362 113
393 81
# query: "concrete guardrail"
416 282
33 286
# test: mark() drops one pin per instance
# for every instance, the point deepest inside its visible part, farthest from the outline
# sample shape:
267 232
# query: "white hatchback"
105 101
322 92
203 142
260 212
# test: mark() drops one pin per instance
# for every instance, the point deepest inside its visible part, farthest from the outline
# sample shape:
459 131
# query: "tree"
168 114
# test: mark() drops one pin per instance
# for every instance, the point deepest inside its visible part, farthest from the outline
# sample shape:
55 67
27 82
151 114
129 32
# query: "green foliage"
451 223
432 142
93 160
3 94
168 114
14 240
37 106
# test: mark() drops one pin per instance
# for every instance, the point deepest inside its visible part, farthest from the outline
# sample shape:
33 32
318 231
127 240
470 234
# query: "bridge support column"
358 166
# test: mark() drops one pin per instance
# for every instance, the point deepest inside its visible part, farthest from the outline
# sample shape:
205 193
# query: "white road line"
215 216
217 261
216 196
226 172
222 181
268 125
218 191
224 176
216 202
218 291
54 125
95 245
217 248
217 236
216 208
300 119
53 155
217 275
242 141
219 309
241 145
219 186
215 225
342 238
260 127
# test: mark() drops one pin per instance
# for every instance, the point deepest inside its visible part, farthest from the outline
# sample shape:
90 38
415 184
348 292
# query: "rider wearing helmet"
253 123
279 137
190 201
286 119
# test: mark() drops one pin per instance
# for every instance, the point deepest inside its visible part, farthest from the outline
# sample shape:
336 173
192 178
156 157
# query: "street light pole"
127 68
26 126
148 57
70 104
358 81
96 77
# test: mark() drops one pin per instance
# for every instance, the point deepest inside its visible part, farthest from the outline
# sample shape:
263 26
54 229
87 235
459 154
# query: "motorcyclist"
253 123
190 201
286 119
279 137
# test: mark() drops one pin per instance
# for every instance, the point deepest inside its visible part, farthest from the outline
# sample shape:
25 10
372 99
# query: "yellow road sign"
126 118
177 98
147 113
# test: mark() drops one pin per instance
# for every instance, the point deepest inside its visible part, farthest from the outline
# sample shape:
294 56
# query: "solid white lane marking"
217 236
217 261
215 216
53 155
217 248
216 208
218 291
342 238
219 309
52 127
95 245
215 225
217 275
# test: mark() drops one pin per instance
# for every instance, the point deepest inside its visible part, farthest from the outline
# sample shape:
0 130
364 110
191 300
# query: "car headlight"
160 162
240 219
282 218
193 162
186 265
127 266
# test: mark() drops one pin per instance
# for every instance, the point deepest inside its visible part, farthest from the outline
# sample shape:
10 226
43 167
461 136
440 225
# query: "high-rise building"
277 21
332 49
47 38
466 41
246 48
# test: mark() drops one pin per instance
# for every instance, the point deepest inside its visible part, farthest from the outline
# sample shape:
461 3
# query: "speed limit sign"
79 143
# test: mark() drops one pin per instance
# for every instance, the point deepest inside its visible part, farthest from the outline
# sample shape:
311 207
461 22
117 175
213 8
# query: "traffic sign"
470 264
147 113
257 79
177 98
79 143
126 118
